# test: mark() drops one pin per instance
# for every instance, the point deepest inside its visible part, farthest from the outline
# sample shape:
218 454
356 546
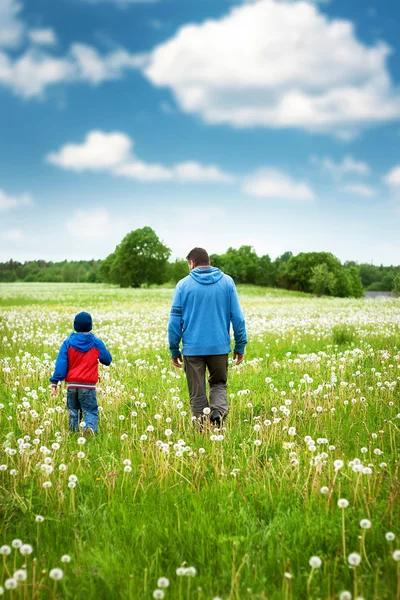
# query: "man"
204 306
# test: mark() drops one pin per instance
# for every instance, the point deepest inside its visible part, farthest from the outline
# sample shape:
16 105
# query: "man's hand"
54 390
238 357
177 362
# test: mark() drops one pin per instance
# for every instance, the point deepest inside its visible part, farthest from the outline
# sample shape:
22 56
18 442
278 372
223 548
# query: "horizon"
120 114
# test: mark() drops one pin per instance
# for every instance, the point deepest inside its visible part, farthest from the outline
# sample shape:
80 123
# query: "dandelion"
315 562
71 485
16 543
365 524
10 584
20 575
338 464
396 555
163 582
26 549
39 519
324 489
257 442
47 484
81 441
158 594
345 595
65 558
80 455
56 574
62 467
201 450
127 468
206 410
168 432
5 550
343 503
389 537
354 559
292 431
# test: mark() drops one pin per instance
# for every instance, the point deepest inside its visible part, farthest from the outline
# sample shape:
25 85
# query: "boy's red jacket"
78 360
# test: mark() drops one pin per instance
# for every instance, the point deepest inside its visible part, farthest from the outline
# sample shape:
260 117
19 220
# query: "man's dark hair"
199 256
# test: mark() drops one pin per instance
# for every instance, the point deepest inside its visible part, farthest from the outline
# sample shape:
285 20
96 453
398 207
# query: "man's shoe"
88 432
216 418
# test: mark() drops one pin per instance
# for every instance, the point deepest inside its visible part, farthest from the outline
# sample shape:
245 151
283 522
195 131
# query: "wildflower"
343 503
324 489
10 584
5 550
163 582
396 555
191 571
292 431
20 575
168 432
206 410
345 595
365 523
39 519
338 464
81 441
16 543
257 442
181 571
71 485
354 559
26 549
158 594
65 558
315 562
73 478
389 536
127 461
56 574
127 468
47 484
201 450
62 467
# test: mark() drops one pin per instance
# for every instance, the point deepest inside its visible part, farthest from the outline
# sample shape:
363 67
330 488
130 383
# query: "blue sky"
274 123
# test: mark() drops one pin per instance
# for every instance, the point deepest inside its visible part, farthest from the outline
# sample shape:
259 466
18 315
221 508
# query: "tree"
396 285
177 270
356 288
300 268
322 280
266 272
141 258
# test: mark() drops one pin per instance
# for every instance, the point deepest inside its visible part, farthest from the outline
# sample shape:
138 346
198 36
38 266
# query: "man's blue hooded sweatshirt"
204 306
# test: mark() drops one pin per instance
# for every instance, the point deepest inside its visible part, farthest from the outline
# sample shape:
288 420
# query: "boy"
77 363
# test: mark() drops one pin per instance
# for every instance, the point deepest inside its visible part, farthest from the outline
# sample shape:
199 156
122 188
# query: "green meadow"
296 497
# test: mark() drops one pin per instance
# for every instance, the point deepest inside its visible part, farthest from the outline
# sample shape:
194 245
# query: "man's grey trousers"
195 369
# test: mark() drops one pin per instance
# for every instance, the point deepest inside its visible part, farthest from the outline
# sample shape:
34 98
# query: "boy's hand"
238 357
177 362
54 390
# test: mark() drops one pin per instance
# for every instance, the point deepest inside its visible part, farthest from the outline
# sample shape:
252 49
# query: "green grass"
247 517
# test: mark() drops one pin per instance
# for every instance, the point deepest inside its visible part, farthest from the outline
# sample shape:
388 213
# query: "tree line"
142 259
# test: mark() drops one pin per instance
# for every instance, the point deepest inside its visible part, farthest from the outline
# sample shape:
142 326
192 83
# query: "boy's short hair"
199 256
83 322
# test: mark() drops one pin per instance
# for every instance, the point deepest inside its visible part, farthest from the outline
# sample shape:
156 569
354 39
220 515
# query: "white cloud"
90 224
12 235
43 37
11 28
122 2
100 151
277 64
271 183
8 202
31 73
393 177
347 166
360 189
113 152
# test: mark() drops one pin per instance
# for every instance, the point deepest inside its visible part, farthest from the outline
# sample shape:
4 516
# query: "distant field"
315 418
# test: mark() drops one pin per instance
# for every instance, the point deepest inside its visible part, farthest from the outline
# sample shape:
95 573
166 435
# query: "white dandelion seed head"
39 519
65 558
20 575
5 550
315 562
10 584
206 410
343 503
56 574
16 543
26 549
396 555
354 559
365 524
163 582
345 595
389 537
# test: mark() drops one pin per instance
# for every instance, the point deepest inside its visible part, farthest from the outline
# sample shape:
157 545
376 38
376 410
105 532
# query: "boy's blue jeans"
82 401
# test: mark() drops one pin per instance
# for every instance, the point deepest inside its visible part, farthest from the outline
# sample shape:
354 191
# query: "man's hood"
207 275
81 341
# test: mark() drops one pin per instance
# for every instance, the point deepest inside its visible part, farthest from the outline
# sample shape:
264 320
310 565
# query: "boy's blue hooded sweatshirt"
205 304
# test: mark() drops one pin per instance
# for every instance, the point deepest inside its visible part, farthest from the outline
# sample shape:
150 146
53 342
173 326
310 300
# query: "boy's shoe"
88 432
216 418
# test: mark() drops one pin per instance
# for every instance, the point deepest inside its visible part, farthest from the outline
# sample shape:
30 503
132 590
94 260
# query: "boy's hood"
82 341
207 275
